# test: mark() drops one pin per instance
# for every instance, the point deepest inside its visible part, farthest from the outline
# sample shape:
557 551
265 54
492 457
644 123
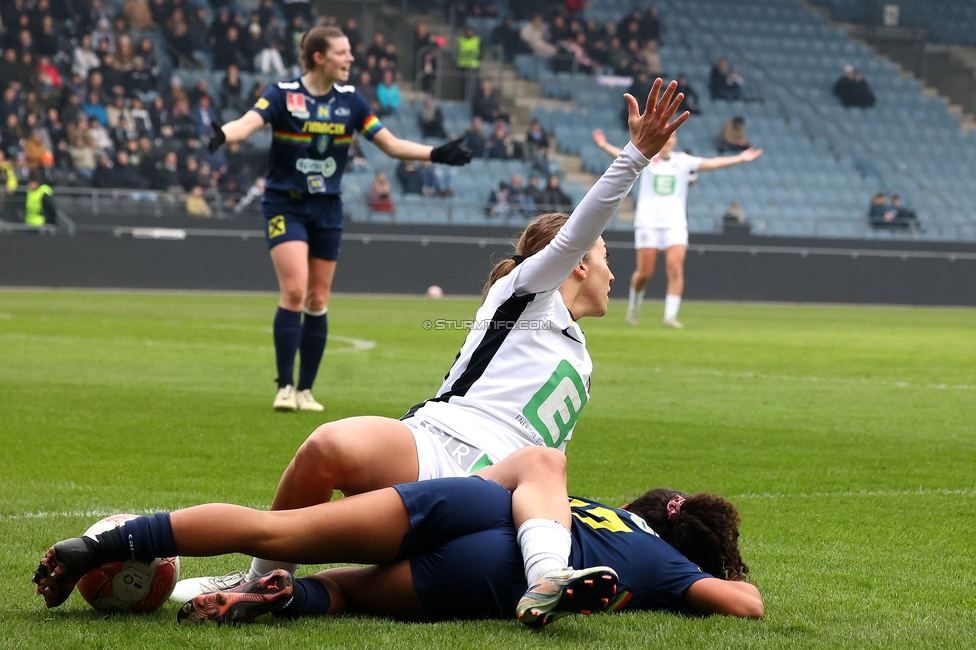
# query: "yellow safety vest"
34 214
7 170
469 52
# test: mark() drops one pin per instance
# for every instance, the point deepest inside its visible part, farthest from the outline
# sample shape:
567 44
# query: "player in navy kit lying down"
443 549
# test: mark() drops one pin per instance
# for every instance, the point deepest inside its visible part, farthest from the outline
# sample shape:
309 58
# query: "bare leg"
675 264
536 476
328 532
320 274
291 265
353 455
385 590
646 258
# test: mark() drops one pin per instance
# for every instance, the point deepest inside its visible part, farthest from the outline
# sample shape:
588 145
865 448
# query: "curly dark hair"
705 530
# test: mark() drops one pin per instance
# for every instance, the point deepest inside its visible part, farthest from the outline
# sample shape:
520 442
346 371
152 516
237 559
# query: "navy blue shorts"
312 218
462 547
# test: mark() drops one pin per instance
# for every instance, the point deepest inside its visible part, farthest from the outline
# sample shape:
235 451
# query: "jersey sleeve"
691 163
366 123
653 574
268 106
548 268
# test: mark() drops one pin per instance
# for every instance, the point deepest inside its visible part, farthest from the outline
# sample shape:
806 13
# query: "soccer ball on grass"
130 587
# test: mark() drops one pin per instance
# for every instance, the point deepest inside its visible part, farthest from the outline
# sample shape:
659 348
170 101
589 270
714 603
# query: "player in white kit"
522 376
661 221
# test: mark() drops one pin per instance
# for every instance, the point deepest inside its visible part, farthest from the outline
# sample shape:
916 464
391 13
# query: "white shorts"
660 238
440 454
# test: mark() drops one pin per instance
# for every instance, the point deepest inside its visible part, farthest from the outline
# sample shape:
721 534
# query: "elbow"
750 603
754 608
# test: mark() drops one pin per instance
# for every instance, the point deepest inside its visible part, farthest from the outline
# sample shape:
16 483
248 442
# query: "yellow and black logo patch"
276 226
262 104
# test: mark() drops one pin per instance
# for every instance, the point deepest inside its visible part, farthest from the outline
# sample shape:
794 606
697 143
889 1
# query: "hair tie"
674 506
518 259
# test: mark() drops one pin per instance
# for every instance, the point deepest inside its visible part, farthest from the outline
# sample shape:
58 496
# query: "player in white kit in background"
661 221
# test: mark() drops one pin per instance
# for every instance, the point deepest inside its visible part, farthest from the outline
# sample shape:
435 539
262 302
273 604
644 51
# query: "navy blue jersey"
653 574
312 134
466 561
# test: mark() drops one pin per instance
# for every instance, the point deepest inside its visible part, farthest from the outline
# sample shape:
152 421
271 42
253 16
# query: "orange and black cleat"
243 604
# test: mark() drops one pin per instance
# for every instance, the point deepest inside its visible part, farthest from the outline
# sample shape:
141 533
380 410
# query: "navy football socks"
287 333
142 538
310 598
315 331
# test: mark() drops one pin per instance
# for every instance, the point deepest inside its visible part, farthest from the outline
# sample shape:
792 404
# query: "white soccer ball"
435 291
129 587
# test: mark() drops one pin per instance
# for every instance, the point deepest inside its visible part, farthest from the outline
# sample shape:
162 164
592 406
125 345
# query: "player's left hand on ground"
217 138
650 131
452 153
750 154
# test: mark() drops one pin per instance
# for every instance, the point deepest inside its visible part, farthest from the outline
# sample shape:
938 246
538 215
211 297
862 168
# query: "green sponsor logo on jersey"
554 409
664 185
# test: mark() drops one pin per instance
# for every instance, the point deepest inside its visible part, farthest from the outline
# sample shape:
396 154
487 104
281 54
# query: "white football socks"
636 299
259 567
545 546
671 305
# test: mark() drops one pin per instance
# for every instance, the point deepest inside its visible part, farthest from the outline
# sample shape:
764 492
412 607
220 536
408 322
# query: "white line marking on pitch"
91 514
355 345
358 345
965 492
830 380
858 493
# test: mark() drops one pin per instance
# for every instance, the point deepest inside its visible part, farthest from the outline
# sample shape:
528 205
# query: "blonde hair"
534 238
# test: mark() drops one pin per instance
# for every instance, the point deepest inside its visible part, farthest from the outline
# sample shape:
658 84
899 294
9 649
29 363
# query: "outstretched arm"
601 141
452 153
242 127
399 148
726 597
721 162
550 267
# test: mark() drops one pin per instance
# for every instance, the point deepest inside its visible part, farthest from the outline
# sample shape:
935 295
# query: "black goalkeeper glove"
452 153
217 138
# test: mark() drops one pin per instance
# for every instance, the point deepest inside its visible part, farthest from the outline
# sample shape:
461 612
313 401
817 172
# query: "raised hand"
650 131
599 138
750 154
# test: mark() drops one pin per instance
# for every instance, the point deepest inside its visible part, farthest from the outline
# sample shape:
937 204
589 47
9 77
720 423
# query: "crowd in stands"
513 198
625 48
87 98
852 90
86 101
885 215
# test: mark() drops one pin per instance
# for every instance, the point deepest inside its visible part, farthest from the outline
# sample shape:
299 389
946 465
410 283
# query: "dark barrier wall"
406 260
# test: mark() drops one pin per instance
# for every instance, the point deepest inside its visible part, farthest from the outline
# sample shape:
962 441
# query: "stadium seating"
822 162
948 21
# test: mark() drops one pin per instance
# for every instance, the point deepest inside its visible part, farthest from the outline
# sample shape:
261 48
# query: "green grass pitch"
846 436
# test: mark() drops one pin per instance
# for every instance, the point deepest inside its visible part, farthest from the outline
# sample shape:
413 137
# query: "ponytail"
703 527
534 238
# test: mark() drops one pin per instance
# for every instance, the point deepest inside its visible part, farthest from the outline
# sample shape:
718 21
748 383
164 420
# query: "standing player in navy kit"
313 119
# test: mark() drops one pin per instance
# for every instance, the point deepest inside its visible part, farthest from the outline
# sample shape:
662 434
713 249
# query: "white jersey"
662 200
522 376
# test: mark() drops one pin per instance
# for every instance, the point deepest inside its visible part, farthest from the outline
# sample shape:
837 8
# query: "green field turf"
846 436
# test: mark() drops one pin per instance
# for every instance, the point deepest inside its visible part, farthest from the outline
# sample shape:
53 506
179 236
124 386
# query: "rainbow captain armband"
371 126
